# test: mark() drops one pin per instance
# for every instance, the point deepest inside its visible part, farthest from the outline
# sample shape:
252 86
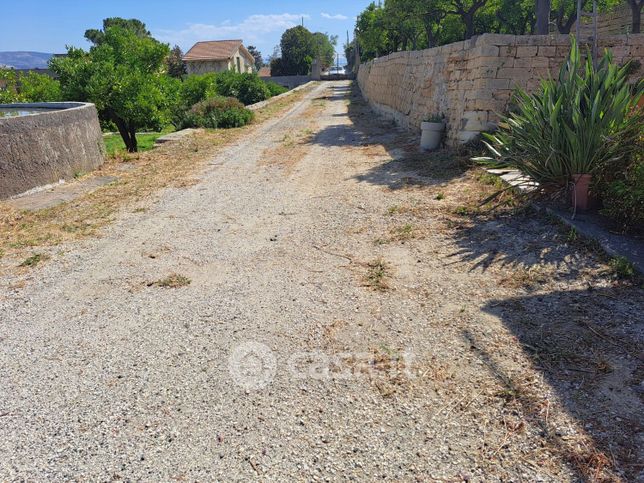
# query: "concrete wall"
289 81
43 148
471 81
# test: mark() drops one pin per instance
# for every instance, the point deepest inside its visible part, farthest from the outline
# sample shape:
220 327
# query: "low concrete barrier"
43 148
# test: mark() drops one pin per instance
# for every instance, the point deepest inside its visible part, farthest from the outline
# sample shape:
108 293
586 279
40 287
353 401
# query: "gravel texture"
309 333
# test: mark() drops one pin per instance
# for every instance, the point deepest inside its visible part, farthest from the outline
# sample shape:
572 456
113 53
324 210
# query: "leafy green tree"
40 88
9 87
133 25
467 11
565 11
431 13
371 32
516 17
350 54
175 64
324 48
123 75
298 48
257 55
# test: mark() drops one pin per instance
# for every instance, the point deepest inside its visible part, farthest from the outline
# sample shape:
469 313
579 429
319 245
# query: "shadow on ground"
407 166
523 241
587 344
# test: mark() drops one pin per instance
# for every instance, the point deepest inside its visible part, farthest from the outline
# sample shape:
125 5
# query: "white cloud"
334 17
252 30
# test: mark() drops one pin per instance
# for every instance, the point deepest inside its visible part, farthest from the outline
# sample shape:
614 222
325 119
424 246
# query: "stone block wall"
471 82
616 22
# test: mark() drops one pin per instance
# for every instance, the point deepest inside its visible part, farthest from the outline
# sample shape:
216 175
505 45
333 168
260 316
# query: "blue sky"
50 25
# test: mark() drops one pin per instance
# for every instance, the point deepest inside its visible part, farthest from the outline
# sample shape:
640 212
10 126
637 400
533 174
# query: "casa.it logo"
252 365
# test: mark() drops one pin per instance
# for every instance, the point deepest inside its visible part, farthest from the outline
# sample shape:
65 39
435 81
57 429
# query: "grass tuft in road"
34 260
172 281
377 274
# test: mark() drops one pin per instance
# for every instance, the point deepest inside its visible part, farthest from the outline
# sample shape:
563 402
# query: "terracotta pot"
580 191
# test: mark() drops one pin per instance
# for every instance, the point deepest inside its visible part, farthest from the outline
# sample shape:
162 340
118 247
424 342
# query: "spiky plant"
579 123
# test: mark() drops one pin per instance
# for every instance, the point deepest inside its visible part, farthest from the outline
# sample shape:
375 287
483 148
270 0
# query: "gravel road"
301 349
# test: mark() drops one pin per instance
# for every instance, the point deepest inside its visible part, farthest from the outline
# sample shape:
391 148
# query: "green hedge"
246 88
276 89
217 112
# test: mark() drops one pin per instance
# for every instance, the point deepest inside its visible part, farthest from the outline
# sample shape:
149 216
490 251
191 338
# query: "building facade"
219 56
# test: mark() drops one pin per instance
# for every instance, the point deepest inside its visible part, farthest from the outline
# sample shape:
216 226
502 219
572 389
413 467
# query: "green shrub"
622 193
248 88
9 93
218 112
40 88
276 89
196 88
581 123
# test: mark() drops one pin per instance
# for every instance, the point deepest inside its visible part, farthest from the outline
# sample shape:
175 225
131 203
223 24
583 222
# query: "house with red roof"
219 56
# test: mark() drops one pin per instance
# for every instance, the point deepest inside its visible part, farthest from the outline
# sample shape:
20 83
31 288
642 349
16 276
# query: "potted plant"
432 129
573 128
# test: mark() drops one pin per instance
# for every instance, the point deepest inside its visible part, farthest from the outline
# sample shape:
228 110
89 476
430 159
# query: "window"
238 65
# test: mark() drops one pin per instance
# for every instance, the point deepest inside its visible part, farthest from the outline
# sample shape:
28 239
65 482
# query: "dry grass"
378 273
172 281
169 165
295 144
527 277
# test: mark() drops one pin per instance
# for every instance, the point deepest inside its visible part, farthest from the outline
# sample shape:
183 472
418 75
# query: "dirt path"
340 321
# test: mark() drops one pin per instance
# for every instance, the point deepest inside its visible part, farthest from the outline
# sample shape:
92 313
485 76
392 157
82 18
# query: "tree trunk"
134 145
543 17
564 27
468 20
636 9
128 135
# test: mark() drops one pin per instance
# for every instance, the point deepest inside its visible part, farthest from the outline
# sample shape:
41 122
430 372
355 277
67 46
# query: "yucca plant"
576 124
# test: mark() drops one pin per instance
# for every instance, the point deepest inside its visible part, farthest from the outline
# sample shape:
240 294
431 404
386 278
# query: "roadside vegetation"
169 165
145 141
139 84
298 48
584 123
395 25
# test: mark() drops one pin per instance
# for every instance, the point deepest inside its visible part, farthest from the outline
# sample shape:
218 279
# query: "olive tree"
123 74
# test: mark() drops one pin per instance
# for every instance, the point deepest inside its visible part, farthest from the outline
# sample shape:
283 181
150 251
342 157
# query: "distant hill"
25 60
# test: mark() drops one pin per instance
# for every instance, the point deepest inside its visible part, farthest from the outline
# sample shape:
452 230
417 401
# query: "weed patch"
172 281
34 260
377 275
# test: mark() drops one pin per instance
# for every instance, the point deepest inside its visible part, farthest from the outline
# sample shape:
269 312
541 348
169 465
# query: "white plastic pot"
431 135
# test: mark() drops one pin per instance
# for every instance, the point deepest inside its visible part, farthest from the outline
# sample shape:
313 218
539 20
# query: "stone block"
547 51
484 50
527 50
